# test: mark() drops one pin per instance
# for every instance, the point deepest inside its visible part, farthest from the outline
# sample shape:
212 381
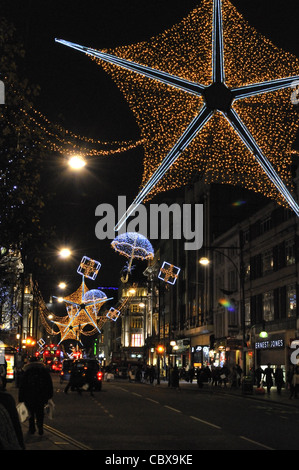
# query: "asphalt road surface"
131 416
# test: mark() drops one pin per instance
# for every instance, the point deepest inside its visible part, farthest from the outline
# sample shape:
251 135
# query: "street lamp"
65 252
205 261
76 162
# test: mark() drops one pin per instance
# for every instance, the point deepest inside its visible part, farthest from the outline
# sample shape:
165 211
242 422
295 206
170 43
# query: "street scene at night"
149 211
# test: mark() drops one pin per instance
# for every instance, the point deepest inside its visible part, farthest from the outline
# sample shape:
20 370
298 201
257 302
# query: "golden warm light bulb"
65 253
77 162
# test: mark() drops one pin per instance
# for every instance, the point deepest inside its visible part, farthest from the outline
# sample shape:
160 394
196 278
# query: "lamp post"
240 270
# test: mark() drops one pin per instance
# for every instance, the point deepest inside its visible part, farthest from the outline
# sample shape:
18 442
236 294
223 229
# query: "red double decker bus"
53 356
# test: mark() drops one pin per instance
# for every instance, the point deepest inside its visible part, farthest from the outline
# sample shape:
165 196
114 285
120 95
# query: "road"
127 416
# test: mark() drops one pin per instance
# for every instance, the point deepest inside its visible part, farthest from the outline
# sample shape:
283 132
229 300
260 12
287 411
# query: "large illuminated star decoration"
83 305
225 127
82 309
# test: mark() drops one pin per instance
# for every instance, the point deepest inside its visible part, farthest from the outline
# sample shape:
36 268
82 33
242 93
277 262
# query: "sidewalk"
283 398
48 441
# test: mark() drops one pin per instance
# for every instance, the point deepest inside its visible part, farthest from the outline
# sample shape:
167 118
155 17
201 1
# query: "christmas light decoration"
113 314
132 245
82 309
237 129
53 136
169 273
89 268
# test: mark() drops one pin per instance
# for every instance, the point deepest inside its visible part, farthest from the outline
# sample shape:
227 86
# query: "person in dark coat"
7 401
175 377
36 388
76 380
268 374
278 375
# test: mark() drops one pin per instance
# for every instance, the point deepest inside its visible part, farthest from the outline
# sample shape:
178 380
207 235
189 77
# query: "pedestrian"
175 378
239 374
268 374
278 375
36 388
7 401
224 373
258 376
75 381
152 374
3 372
295 383
191 374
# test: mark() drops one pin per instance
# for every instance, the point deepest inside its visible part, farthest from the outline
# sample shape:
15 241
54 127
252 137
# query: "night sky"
78 94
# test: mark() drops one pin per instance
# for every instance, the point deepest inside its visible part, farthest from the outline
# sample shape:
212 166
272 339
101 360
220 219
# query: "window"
247 272
247 313
265 225
232 280
135 308
268 306
136 322
136 340
267 262
290 252
291 300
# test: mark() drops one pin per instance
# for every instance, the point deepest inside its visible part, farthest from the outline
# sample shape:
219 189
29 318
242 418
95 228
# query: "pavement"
55 440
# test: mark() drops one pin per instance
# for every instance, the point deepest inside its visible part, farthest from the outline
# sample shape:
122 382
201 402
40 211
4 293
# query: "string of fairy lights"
53 136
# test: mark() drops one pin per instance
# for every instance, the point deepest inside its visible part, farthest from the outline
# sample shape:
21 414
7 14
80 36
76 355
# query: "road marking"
67 438
154 401
136 394
255 442
205 422
173 409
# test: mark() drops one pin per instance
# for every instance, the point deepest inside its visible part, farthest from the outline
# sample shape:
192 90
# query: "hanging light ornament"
132 245
236 129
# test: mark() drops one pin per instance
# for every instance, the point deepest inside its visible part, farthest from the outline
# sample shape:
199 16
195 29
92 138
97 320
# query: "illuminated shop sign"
270 344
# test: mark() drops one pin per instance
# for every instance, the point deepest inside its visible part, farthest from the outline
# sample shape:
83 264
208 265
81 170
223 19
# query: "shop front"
272 350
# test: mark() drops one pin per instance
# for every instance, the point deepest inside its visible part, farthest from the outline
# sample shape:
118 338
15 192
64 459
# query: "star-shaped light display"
82 309
210 114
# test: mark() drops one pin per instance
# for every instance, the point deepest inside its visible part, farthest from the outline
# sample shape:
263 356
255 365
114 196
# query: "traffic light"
160 349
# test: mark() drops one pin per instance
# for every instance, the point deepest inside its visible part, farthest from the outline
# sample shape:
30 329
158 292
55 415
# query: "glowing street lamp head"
62 285
204 261
77 162
65 253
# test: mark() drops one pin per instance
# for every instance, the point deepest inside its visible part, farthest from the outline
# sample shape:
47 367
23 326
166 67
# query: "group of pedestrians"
35 390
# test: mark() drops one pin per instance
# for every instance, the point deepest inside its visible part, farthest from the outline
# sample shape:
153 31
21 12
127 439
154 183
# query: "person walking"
278 375
3 372
268 374
175 378
295 383
36 388
258 376
75 381
10 421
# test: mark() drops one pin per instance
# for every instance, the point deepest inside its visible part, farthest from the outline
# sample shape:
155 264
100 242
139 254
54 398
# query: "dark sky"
83 98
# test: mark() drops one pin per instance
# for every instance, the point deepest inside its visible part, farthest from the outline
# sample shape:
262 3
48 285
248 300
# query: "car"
89 369
65 372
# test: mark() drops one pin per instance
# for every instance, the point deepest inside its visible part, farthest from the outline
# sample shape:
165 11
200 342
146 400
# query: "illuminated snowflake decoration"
220 129
169 273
